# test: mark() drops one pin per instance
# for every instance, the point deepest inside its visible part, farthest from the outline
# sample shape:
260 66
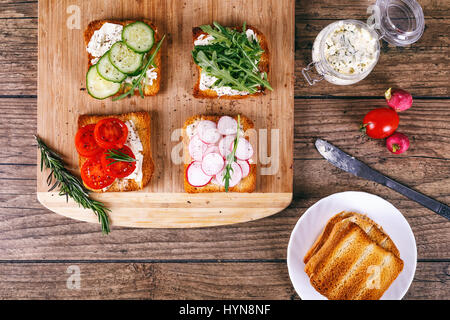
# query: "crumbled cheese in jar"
135 144
350 49
103 39
150 76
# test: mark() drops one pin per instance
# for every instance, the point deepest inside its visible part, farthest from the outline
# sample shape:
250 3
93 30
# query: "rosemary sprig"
118 156
69 185
138 81
231 157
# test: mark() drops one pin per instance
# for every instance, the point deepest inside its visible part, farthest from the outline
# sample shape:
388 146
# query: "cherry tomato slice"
94 176
110 133
380 123
120 169
85 142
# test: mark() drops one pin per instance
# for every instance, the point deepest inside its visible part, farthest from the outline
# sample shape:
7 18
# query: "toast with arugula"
232 63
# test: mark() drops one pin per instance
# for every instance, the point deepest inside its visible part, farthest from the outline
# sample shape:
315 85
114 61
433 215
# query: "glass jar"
346 51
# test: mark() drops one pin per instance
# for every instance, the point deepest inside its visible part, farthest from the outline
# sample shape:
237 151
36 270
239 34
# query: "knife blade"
350 164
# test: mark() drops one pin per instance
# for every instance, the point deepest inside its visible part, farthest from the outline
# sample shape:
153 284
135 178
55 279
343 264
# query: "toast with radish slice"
139 129
207 140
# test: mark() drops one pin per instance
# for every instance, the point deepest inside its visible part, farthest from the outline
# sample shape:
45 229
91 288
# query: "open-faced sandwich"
218 155
124 58
232 62
114 151
353 259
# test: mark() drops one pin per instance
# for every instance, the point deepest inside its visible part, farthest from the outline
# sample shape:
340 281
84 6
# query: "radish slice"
211 149
236 175
212 164
225 145
197 148
209 135
227 125
195 175
204 125
244 150
245 166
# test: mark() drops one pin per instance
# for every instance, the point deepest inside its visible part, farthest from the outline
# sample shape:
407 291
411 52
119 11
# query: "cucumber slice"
125 59
107 71
138 36
98 87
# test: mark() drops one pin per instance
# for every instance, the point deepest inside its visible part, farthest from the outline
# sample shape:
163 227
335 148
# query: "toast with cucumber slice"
118 52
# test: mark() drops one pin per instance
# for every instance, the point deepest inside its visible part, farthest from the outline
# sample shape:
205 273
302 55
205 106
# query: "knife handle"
434 205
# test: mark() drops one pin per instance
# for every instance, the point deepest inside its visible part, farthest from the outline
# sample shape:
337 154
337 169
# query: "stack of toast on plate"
353 259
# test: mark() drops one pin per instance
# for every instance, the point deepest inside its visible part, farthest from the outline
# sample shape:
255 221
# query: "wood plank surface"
152 207
227 280
428 57
424 167
220 262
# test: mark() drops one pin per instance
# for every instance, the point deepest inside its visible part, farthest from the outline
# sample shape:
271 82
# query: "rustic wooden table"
38 249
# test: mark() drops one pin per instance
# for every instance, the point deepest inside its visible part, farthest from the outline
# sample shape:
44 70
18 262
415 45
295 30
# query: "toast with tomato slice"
246 184
149 90
142 125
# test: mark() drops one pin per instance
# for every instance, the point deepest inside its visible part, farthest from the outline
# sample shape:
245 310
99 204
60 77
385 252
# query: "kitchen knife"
348 163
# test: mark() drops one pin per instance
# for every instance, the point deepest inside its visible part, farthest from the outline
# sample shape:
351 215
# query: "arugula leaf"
212 68
232 58
231 156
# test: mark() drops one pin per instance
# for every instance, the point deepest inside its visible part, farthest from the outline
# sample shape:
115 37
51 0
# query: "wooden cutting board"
163 203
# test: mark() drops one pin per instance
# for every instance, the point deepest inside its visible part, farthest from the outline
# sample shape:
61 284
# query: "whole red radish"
398 99
397 143
380 123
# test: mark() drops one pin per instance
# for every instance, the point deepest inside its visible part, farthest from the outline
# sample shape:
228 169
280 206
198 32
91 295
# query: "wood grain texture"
229 280
30 232
169 108
397 66
424 167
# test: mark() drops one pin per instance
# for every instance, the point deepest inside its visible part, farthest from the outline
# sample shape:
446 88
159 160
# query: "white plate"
312 222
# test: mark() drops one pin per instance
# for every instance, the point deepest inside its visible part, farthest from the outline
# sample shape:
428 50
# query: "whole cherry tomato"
380 123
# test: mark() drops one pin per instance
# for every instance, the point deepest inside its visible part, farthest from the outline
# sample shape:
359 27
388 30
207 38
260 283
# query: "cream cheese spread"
150 76
103 39
135 144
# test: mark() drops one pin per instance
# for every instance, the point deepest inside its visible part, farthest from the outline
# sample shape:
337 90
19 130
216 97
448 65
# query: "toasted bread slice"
247 184
263 67
142 124
351 266
148 90
325 234
373 230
